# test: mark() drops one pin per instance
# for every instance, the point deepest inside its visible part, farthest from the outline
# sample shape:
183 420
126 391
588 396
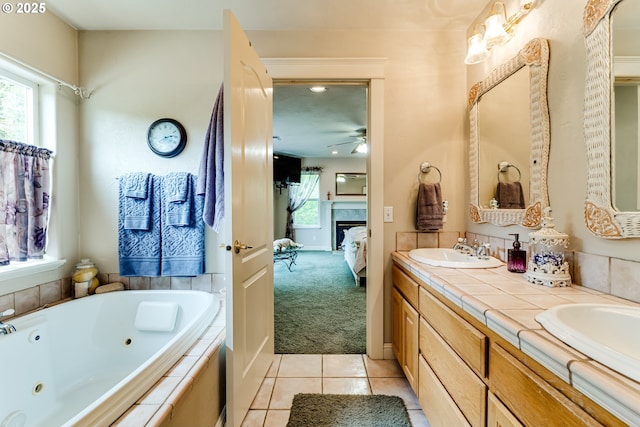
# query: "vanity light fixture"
498 29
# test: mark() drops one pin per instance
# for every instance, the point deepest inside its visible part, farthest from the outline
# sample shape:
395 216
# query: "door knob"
237 246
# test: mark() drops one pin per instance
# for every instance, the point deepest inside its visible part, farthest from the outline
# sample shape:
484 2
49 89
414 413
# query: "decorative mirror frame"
600 216
535 55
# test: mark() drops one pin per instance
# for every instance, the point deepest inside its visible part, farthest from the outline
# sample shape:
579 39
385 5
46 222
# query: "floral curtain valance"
25 190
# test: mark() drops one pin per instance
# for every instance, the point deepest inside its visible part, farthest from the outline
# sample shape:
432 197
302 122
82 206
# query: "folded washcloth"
509 195
137 204
177 197
429 212
139 250
183 247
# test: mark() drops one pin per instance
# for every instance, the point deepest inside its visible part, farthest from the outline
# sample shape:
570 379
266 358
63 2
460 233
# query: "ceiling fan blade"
343 143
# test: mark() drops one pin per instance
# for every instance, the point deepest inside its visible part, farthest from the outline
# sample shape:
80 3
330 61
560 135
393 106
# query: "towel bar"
503 166
425 168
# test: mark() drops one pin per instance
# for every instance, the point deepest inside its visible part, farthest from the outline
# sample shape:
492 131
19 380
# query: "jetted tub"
85 362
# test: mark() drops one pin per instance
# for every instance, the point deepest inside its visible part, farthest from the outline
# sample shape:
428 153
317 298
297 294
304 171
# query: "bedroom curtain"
299 194
25 189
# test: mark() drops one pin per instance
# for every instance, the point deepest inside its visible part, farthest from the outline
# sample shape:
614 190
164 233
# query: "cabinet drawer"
440 409
498 415
467 341
463 385
407 286
529 397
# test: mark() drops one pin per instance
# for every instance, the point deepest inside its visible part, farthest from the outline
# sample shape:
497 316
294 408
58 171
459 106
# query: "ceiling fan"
361 140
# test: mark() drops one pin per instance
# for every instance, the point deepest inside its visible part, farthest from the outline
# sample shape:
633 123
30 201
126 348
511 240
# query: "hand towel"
429 212
183 247
177 198
137 204
211 172
509 195
139 250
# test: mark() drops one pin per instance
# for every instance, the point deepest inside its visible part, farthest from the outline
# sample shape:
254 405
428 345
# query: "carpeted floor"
341 410
318 309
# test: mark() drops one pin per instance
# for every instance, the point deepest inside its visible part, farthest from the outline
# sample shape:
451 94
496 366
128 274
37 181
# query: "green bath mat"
348 410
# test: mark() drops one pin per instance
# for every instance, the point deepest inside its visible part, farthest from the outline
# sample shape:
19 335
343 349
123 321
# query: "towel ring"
503 166
425 168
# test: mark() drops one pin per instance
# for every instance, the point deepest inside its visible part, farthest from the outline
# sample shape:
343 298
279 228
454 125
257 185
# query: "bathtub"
85 362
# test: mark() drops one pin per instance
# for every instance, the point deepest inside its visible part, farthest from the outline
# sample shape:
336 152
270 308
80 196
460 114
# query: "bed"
354 247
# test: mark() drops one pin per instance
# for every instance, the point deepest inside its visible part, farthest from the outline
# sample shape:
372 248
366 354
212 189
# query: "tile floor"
330 373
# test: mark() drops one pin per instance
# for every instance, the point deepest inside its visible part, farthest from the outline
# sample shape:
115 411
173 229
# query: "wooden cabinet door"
498 415
410 326
396 325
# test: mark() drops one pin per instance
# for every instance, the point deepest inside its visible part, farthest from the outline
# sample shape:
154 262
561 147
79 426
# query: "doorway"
370 70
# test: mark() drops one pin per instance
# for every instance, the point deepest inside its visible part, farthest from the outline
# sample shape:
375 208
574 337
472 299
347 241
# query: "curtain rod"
80 91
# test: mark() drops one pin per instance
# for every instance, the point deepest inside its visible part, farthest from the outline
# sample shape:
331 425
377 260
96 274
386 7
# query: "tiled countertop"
507 304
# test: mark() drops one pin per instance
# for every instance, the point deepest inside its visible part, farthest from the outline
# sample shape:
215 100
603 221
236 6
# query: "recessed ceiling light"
318 89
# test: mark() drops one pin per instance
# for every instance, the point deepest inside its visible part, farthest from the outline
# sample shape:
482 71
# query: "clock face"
166 137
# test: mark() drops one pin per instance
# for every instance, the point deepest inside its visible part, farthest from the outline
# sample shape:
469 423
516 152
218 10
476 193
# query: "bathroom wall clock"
166 137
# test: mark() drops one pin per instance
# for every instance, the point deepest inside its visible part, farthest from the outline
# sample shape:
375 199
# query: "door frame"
371 71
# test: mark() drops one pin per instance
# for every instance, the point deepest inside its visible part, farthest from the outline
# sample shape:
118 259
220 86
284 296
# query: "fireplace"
342 225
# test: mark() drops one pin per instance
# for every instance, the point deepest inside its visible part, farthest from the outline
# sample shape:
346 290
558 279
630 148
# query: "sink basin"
607 333
443 257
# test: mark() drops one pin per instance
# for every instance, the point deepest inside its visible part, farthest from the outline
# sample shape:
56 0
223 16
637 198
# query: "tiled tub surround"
192 391
59 290
506 304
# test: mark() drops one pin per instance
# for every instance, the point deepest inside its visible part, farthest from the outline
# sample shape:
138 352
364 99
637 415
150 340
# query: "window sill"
18 270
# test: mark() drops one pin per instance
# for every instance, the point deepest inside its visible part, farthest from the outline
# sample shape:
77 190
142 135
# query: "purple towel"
211 172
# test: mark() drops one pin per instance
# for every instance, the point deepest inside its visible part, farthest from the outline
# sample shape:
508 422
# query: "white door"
249 220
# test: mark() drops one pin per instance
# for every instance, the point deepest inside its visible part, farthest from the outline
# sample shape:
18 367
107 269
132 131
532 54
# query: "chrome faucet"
7 328
481 250
463 247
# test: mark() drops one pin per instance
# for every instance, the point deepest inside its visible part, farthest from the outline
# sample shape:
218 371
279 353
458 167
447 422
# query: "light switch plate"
388 214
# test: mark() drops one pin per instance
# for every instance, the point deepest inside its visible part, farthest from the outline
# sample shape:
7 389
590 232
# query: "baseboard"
387 351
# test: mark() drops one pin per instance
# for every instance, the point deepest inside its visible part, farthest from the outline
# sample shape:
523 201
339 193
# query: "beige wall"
560 23
43 42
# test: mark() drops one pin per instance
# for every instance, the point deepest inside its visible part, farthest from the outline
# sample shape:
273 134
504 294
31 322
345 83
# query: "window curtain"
299 194
25 189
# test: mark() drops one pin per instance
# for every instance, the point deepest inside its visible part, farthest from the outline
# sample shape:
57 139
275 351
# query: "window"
309 214
18 108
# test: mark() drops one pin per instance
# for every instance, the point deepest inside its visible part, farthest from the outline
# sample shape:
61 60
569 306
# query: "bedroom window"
308 215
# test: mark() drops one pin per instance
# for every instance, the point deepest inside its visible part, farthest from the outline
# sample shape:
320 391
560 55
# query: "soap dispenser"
516 257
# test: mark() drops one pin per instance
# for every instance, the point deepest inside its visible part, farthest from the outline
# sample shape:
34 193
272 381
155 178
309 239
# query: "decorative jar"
547 265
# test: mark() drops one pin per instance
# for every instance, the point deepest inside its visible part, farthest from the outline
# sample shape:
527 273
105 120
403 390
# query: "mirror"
351 184
612 205
509 146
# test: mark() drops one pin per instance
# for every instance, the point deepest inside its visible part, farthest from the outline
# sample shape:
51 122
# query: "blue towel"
177 194
137 204
139 250
211 172
183 247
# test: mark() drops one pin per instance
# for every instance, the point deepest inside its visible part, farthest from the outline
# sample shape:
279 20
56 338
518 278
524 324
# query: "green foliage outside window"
14 99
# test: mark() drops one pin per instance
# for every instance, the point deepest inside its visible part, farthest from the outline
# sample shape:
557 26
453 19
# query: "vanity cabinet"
467 375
